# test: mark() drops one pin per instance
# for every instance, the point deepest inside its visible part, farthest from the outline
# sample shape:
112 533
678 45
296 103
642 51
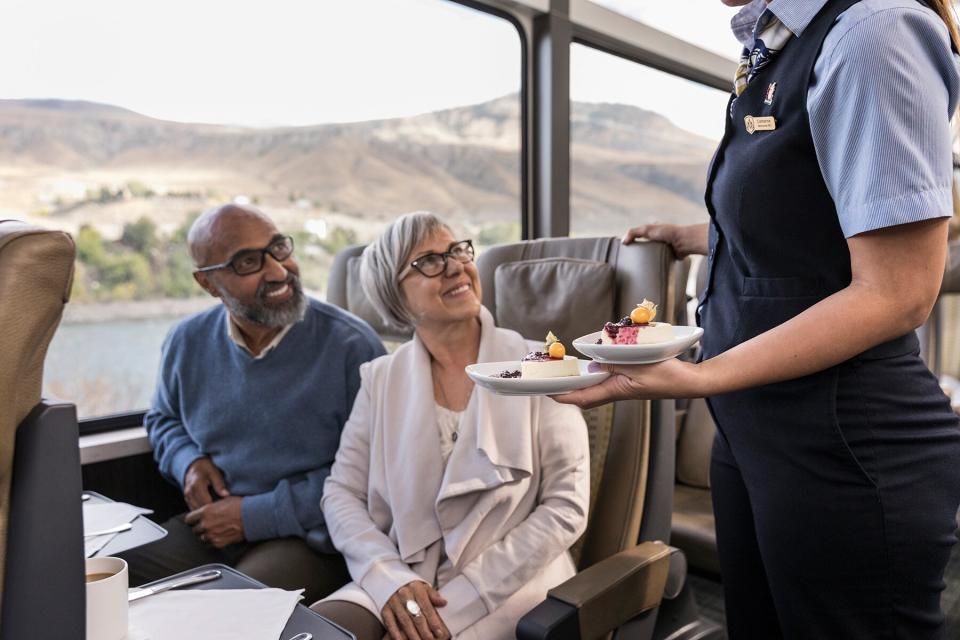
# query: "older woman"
454 508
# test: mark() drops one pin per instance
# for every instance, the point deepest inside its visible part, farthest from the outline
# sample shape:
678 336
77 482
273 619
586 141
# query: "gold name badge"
754 124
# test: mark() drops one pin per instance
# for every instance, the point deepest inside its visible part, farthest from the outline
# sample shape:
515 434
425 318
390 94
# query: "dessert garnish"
644 313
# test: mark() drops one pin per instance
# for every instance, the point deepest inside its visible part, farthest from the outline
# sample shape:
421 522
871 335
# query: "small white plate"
485 375
683 339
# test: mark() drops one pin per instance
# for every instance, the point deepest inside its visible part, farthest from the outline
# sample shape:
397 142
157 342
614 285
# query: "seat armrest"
602 597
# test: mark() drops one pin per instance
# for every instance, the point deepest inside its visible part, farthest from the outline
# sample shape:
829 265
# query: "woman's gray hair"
385 258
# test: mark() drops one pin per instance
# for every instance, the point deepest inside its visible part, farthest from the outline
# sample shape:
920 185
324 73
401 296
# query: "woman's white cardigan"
512 499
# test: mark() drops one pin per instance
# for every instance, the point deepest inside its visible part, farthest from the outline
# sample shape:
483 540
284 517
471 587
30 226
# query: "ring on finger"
413 608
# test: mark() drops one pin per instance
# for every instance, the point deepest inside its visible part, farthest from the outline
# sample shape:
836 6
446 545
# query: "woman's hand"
670 379
401 624
684 239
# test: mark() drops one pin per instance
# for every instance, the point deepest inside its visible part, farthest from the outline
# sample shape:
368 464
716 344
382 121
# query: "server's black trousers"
836 500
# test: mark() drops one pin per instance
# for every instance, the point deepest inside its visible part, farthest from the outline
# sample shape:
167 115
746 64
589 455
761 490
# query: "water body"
106 367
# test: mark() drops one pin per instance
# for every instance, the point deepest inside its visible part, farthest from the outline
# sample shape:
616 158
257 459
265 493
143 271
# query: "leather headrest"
568 296
596 280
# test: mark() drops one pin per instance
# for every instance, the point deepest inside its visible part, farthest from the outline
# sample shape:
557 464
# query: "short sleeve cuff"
901 209
181 460
464 605
257 513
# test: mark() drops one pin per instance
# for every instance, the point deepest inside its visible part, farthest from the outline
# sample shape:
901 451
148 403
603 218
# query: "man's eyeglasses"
435 264
250 261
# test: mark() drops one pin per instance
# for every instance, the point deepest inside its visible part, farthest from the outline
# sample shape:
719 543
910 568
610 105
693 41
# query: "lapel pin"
771 91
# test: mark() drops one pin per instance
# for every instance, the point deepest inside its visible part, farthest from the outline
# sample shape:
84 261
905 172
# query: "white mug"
106 599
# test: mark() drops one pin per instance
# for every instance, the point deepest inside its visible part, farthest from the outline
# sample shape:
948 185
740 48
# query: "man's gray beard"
259 313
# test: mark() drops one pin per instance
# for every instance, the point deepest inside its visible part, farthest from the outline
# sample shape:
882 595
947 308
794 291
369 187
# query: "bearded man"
246 419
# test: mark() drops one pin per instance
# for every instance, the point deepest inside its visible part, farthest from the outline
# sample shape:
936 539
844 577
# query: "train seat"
573 286
40 465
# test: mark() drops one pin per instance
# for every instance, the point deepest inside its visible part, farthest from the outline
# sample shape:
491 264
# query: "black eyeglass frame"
243 253
449 253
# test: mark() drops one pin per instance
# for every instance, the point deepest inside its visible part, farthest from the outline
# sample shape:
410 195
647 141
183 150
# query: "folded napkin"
97 517
212 614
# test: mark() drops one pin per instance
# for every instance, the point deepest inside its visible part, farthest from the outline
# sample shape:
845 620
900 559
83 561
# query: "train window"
333 117
702 22
640 145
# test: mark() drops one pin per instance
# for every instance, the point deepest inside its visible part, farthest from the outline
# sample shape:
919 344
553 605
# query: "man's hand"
684 239
219 523
201 476
402 625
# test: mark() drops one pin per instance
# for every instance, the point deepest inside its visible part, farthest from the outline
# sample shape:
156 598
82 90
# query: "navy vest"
776 245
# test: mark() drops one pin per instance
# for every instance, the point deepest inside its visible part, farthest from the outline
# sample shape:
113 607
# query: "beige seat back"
345 291
36 271
572 286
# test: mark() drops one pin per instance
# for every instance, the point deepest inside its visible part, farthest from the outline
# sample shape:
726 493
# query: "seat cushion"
694 529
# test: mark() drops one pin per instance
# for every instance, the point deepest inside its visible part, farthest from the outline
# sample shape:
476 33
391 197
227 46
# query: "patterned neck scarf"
770 36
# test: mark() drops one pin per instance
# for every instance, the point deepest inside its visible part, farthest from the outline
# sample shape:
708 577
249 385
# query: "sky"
300 63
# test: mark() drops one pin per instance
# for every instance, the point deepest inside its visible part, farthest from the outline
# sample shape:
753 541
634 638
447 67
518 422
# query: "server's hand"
685 240
671 379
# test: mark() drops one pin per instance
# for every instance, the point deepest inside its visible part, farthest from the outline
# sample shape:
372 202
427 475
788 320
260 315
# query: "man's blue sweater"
271 425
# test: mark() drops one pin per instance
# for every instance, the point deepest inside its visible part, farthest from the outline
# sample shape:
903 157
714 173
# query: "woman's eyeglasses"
250 261
435 264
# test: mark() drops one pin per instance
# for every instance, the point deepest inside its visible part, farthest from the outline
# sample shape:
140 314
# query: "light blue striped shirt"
880 101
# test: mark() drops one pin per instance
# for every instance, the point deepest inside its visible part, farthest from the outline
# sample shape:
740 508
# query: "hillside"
79 162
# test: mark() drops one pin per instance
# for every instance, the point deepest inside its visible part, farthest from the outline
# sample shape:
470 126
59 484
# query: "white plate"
484 374
683 339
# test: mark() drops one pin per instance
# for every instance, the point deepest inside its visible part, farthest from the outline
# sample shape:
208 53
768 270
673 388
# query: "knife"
142 592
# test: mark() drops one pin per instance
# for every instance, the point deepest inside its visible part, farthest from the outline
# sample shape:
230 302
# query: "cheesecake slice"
540 365
552 362
637 328
629 333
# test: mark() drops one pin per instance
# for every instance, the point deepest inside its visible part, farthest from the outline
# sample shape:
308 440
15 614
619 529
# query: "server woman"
836 468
